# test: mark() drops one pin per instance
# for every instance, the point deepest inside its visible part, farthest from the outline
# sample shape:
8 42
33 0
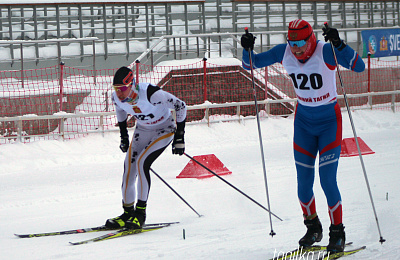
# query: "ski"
330 256
119 233
301 252
84 230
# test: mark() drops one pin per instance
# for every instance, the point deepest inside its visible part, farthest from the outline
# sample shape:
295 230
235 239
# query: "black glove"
247 41
332 34
124 146
178 145
123 129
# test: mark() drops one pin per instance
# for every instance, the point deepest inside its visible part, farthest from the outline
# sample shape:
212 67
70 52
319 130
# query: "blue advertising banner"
381 43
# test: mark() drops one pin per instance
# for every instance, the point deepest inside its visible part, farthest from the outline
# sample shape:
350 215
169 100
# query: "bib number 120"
315 80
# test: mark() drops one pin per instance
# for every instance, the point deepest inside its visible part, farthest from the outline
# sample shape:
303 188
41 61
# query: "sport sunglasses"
300 43
121 87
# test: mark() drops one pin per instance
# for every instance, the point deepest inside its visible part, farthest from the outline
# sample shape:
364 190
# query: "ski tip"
164 224
22 235
172 223
78 243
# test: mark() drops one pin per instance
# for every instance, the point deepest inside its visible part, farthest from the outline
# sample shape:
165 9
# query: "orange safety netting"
63 89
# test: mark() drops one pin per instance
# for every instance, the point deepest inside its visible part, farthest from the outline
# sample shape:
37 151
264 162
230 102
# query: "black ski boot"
337 238
314 232
120 222
138 217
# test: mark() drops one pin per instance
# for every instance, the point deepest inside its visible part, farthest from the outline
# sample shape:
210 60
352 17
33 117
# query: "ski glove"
124 146
247 41
178 145
123 129
332 34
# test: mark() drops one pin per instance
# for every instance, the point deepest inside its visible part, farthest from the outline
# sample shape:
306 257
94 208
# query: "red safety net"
63 89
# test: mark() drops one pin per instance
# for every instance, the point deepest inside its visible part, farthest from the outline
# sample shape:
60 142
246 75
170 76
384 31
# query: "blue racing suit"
318 120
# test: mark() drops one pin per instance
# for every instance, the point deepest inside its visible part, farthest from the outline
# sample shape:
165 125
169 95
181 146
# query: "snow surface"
54 185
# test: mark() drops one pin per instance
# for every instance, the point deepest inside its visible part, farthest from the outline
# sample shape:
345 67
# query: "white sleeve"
122 115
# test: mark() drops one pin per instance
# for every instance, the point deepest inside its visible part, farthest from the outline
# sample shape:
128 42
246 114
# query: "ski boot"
314 232
337 238
120 222
137 219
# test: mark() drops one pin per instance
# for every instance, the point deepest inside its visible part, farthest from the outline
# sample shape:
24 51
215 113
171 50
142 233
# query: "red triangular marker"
195 170
349 147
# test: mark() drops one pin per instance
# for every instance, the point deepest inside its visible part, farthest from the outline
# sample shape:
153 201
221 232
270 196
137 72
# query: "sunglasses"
121 87
300 43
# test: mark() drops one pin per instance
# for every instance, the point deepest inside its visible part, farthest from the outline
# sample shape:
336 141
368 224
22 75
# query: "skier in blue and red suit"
318 121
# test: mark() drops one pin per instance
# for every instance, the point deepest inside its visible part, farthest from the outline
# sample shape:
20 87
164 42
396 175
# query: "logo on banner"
381 42
372 44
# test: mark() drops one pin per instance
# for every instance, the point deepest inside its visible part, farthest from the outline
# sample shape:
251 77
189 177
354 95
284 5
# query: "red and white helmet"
302 30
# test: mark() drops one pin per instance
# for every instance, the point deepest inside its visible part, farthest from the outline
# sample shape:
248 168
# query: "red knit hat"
302 30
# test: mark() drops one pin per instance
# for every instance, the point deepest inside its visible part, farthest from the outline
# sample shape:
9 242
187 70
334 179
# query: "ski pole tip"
272 233
381 240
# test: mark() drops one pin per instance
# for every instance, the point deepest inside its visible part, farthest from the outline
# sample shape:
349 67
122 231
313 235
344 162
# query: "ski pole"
241 192
177 194
272 233
356 139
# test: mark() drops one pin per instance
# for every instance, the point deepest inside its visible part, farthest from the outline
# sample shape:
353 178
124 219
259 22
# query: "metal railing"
207 119
60 43
210 45
167 47
137 25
